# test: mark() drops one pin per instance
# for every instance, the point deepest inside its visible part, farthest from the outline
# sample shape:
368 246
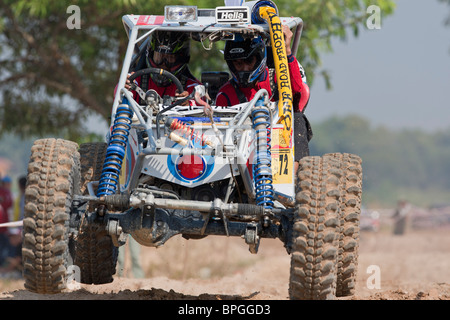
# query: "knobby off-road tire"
52 180
313 273
351 191
94 252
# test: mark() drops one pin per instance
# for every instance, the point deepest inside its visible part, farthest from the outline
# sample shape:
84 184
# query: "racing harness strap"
144 86
241 96
239 93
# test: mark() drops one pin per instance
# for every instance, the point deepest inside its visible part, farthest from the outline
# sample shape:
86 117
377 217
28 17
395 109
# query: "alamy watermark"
74 20
374 280
374 20
73 276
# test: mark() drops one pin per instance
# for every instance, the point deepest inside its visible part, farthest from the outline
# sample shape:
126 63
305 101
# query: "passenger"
247 62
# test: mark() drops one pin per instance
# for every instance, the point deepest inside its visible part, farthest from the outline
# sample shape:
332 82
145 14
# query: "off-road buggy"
169 169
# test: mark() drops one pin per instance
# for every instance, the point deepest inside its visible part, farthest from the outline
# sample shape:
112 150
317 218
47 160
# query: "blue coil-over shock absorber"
262 171
115 152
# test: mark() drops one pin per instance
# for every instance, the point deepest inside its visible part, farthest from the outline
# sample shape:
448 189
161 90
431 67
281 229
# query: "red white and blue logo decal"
190 168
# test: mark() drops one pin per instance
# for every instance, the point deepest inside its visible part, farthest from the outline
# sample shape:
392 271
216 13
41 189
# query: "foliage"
53 78
396 164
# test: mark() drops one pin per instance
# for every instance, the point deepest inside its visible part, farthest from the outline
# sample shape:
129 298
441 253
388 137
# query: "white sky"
398 76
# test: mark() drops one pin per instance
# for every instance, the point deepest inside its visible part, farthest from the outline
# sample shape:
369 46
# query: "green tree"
53 78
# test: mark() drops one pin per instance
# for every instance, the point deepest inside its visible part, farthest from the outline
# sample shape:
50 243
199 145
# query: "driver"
168 50
247 61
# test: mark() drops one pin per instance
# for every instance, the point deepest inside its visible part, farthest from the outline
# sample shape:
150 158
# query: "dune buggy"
169 169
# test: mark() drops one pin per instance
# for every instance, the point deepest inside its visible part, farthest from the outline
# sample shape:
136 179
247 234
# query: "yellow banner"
285 102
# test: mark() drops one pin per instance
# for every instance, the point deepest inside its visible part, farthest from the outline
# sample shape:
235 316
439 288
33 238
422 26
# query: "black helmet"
241 48
168 48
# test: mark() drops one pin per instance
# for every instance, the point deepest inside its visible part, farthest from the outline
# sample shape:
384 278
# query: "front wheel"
315 246
52 181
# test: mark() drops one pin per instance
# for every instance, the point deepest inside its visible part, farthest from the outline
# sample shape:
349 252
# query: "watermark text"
74 20
374 20
374 280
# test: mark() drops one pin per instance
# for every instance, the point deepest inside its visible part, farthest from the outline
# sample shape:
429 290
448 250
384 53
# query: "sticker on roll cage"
231 15
150 20
281 154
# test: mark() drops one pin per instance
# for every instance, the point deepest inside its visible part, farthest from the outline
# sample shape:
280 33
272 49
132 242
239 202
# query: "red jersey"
3 219
6 199
170 90
6 202
228 96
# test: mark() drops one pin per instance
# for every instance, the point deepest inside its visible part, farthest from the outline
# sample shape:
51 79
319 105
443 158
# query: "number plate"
281 158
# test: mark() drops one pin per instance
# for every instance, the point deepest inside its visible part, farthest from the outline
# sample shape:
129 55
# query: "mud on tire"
94 252
316 228
326 227
52 180
351 190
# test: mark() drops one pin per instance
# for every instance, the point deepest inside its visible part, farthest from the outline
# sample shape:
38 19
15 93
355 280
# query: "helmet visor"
247 64
165 59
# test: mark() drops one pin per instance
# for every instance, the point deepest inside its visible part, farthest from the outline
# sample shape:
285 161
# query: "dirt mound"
414 266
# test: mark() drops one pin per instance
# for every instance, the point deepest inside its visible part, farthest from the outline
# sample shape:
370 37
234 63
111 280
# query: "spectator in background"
6 198
5 205
11 248
12 266
401 217
19 203
4 242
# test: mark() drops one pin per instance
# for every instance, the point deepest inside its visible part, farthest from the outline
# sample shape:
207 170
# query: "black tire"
92 155
313 273
52 180
94 251
351 191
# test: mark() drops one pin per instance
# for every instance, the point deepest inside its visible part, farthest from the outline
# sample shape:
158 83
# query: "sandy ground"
414 266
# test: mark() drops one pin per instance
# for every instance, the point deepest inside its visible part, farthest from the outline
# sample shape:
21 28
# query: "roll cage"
139 27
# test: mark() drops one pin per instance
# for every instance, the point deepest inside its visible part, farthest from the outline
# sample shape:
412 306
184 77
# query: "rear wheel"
52 181
314 254
94 253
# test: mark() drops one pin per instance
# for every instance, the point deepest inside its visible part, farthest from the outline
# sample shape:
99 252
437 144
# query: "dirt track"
413 266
